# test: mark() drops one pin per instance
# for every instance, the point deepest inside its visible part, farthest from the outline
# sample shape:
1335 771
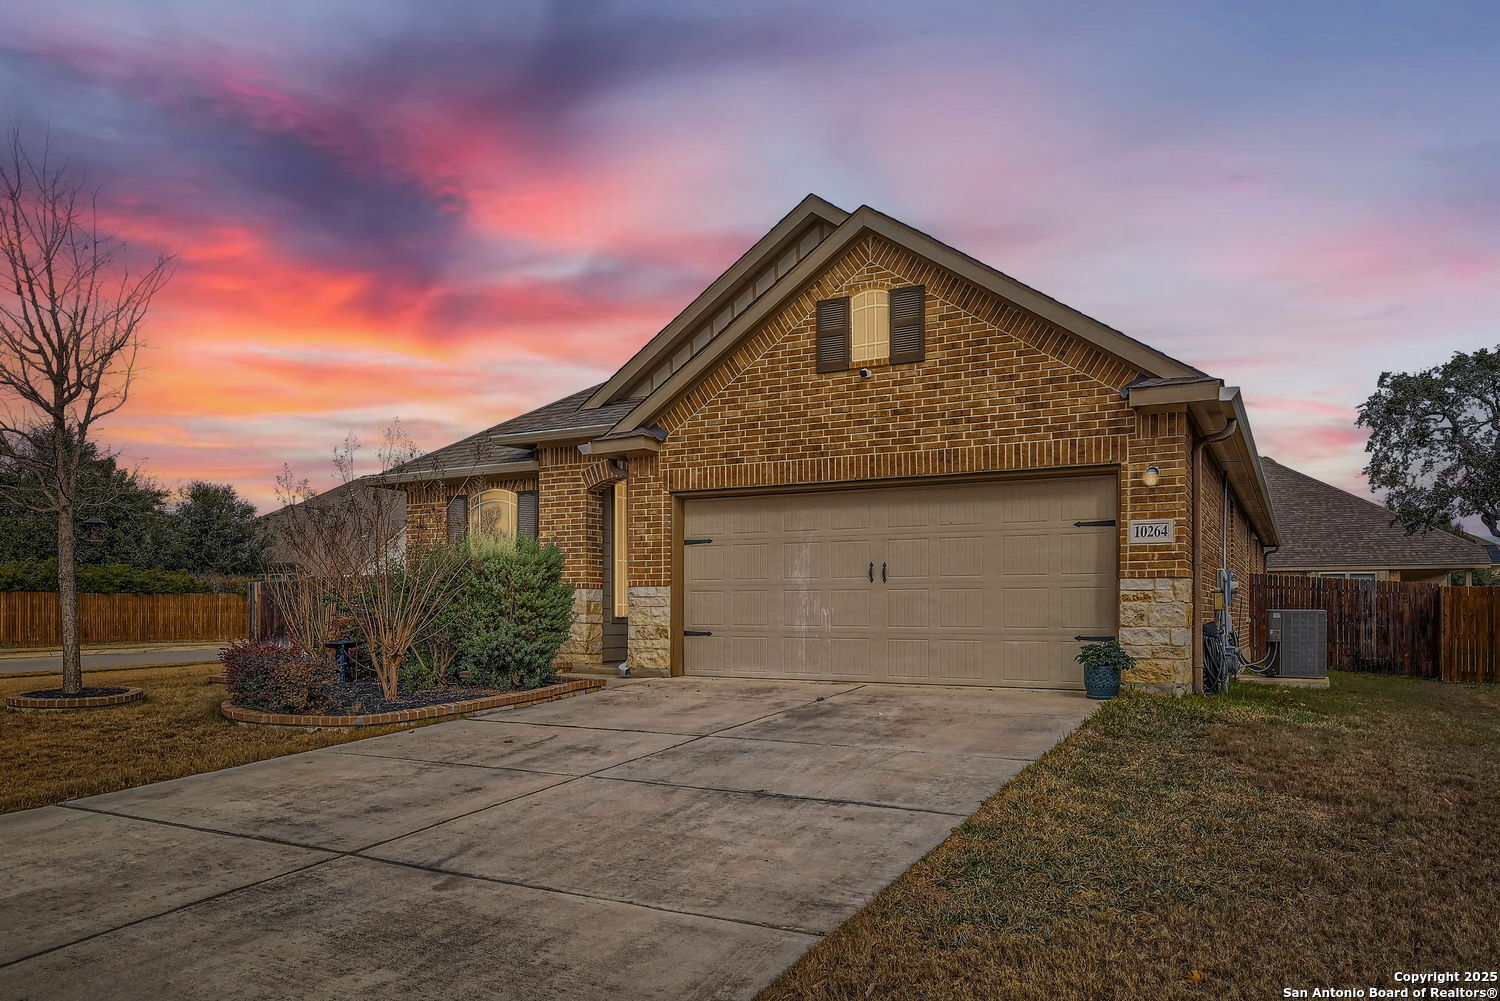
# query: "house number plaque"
1144 533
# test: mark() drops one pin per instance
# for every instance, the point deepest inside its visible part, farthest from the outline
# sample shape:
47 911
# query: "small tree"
343 551
70 316
1435 442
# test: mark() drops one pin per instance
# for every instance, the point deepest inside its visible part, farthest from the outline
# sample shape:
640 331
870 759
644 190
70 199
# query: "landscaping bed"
374 710
1205 848
84 698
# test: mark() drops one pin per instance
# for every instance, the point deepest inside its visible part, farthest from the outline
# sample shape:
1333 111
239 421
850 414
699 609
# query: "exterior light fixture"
93 530
1151 477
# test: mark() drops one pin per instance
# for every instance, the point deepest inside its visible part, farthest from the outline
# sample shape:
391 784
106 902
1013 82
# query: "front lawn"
1208 849
52 755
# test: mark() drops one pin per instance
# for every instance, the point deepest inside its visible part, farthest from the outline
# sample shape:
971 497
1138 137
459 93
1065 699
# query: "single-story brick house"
1328 532
861 455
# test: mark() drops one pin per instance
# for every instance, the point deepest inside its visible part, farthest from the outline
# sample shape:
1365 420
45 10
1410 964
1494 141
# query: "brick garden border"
499 700
76 702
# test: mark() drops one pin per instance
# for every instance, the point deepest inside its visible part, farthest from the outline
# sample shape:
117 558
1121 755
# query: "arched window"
493 512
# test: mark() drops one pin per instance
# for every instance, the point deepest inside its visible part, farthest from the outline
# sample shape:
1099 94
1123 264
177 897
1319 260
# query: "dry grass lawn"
52 755
1205 849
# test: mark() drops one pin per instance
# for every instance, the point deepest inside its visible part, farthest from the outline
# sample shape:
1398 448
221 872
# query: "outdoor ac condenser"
1303 637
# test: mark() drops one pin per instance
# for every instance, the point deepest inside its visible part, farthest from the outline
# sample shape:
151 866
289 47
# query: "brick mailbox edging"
499 700
74 702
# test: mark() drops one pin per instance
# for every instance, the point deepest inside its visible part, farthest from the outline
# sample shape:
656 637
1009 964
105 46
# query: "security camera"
864 373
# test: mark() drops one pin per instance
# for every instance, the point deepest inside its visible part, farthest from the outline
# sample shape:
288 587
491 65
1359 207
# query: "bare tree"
70 317
343 553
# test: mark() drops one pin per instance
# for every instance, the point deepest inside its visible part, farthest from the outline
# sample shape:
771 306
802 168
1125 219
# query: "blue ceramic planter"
1101 682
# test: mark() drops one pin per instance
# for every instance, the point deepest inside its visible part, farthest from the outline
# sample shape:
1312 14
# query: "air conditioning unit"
1302 635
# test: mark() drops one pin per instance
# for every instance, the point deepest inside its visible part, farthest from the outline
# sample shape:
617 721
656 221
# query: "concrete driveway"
682 838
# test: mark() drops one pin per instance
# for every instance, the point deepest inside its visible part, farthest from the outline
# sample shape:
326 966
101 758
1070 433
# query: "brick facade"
1000 390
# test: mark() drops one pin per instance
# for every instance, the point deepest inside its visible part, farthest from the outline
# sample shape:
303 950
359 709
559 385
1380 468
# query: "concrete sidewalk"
94 660
675 838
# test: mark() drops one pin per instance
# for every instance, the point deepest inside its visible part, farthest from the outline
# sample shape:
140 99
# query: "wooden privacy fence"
266 622
1391 627
1471 634
30 618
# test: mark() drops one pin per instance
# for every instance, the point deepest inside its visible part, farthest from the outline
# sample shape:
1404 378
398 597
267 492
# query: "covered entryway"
983 583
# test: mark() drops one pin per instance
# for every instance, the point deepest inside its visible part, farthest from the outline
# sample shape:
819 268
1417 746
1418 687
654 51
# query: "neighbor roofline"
863 220
1383 565
811 207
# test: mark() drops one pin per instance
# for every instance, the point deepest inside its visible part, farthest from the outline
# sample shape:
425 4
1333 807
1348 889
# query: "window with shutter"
493 512
908 324
833 335
457 518
869 327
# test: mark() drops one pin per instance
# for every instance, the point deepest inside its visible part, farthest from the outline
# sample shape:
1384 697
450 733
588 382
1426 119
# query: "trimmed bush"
275 678
512 613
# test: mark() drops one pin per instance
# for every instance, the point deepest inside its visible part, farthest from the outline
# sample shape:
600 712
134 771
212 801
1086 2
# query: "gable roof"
810 210
1323 526
867 220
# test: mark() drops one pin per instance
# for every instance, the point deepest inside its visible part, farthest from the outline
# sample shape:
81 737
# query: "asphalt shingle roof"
1323 526
481 449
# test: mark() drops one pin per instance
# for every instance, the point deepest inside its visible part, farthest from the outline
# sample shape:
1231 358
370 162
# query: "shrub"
113 578
1109 654
275 678
512 613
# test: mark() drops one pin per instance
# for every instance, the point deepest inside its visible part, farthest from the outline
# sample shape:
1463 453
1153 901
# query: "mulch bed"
359 697
84 693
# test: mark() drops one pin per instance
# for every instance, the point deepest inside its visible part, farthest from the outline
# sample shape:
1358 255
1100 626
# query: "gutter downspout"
1197 618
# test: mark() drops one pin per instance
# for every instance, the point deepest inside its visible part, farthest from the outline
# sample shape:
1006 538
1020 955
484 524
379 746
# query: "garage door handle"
1094 524
696 632
1093 639
872 573
882 573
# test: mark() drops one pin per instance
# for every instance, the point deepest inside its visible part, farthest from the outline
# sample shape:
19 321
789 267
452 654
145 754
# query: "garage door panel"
1027 555
960 607
959 556
908 608
849 560
849 608
906 558
1090 553
988 583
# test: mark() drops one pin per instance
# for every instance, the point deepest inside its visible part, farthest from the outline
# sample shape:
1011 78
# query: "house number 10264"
1145 532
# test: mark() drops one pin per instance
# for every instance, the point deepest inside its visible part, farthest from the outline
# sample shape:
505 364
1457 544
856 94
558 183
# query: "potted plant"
1102 664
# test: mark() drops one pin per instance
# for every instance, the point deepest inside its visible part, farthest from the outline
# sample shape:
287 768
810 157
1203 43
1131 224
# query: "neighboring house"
356 507
1328 532
861 455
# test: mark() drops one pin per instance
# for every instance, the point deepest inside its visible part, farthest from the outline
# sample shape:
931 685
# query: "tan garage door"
959 584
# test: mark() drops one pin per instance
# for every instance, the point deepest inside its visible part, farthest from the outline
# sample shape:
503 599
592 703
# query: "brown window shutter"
457 518
833 335
908 324
526 513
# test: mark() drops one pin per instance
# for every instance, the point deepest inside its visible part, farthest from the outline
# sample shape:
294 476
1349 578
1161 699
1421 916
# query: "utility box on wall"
1303 637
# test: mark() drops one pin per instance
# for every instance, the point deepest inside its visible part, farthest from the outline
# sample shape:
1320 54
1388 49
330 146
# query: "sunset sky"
450 212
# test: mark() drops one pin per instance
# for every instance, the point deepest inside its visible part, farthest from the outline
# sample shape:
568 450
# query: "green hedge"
115 578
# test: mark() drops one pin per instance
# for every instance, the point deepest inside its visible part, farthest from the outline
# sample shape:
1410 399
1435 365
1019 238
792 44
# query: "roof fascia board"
865 219
640 444
1178 393
582 432
811 207
459 472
